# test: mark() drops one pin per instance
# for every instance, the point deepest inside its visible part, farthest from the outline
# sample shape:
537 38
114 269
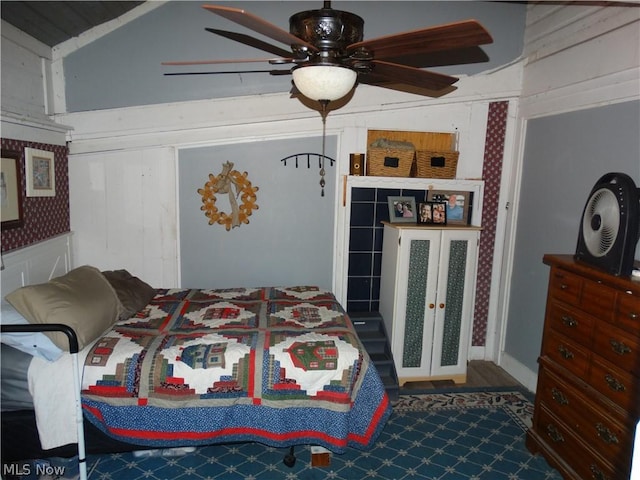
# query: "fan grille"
601 222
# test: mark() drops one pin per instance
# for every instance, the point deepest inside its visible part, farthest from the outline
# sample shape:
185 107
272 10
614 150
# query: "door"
416 288
454 302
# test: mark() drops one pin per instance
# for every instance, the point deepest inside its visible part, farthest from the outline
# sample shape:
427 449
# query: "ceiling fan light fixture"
324 82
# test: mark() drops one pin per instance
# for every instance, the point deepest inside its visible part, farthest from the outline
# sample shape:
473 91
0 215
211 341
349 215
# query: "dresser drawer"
615 384
572 450
628 312
588 420
598 300
565 286
566 353
617 346
570 322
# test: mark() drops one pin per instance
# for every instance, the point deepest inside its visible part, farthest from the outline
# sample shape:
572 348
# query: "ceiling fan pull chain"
323 113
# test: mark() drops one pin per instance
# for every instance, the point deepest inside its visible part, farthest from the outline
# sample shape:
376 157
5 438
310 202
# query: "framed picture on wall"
10 190
40 172
402 209
458 205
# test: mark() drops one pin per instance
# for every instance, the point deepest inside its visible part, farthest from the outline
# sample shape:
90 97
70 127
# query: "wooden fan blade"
231 60
227 72
250 41
259 25
384 82
403 74
468 33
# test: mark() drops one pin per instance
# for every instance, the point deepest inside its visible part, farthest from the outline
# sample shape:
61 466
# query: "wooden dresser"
588 396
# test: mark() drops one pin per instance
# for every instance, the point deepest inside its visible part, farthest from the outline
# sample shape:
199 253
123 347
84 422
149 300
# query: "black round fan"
610 225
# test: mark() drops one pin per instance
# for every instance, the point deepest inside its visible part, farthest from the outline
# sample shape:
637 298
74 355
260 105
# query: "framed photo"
402 209
40 171
459 205
432 213
10 190
439 212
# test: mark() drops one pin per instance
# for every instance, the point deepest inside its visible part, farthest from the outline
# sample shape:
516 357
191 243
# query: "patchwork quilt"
279 366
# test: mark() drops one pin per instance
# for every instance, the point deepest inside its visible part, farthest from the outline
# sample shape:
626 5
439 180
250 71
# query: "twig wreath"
223 184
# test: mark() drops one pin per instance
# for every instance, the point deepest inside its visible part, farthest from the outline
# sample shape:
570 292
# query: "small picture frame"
439 213
10 190
432 213
402 209
459 205
40 172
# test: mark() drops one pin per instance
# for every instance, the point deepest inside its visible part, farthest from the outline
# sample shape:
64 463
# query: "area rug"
440 436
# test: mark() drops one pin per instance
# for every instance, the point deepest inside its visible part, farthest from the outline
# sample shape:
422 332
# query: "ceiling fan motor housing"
328 29
606 242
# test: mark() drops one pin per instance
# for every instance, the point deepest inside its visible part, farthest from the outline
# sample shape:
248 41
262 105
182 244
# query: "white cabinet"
426 299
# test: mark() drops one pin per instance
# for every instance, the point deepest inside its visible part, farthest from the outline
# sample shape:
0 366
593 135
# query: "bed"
281 366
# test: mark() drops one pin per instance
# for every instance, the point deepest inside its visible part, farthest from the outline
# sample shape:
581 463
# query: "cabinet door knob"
441 305
432 306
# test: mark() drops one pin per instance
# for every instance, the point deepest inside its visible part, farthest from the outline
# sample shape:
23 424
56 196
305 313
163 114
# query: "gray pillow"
83 299
134 294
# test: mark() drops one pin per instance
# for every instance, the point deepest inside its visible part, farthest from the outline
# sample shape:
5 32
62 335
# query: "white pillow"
36 344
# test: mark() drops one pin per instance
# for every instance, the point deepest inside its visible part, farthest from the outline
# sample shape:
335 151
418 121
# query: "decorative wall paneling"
124 212
579 56
37 263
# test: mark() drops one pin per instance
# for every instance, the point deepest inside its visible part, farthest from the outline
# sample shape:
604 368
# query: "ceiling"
55 22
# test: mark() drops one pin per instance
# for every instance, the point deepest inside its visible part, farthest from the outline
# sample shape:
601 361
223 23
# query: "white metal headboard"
37 263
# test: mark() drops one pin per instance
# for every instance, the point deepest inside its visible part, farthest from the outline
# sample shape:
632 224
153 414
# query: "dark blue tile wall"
369 208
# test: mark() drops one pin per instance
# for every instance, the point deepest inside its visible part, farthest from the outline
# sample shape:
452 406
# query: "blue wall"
564 157
289 239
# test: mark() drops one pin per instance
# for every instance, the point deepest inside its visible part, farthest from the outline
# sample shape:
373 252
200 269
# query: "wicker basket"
435 164
389 162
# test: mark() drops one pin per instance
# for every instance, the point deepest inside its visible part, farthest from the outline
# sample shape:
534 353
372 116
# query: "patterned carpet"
438 436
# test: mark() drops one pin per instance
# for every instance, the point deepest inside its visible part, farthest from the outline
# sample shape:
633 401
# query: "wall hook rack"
297 157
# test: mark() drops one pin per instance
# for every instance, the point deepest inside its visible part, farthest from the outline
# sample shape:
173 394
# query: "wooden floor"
479 374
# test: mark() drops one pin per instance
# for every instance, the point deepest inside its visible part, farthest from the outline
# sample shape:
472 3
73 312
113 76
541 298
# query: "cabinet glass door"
422 262
453 313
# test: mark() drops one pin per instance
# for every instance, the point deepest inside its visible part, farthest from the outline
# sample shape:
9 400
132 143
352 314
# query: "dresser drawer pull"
605 434
559 397
633 315
619 347
614 384
564 286
554 434
597 474
569 321
566 354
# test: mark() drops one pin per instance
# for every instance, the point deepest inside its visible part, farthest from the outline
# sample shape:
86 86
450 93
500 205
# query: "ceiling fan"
328 55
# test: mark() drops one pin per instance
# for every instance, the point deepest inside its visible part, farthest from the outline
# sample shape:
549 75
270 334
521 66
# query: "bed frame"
39 263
